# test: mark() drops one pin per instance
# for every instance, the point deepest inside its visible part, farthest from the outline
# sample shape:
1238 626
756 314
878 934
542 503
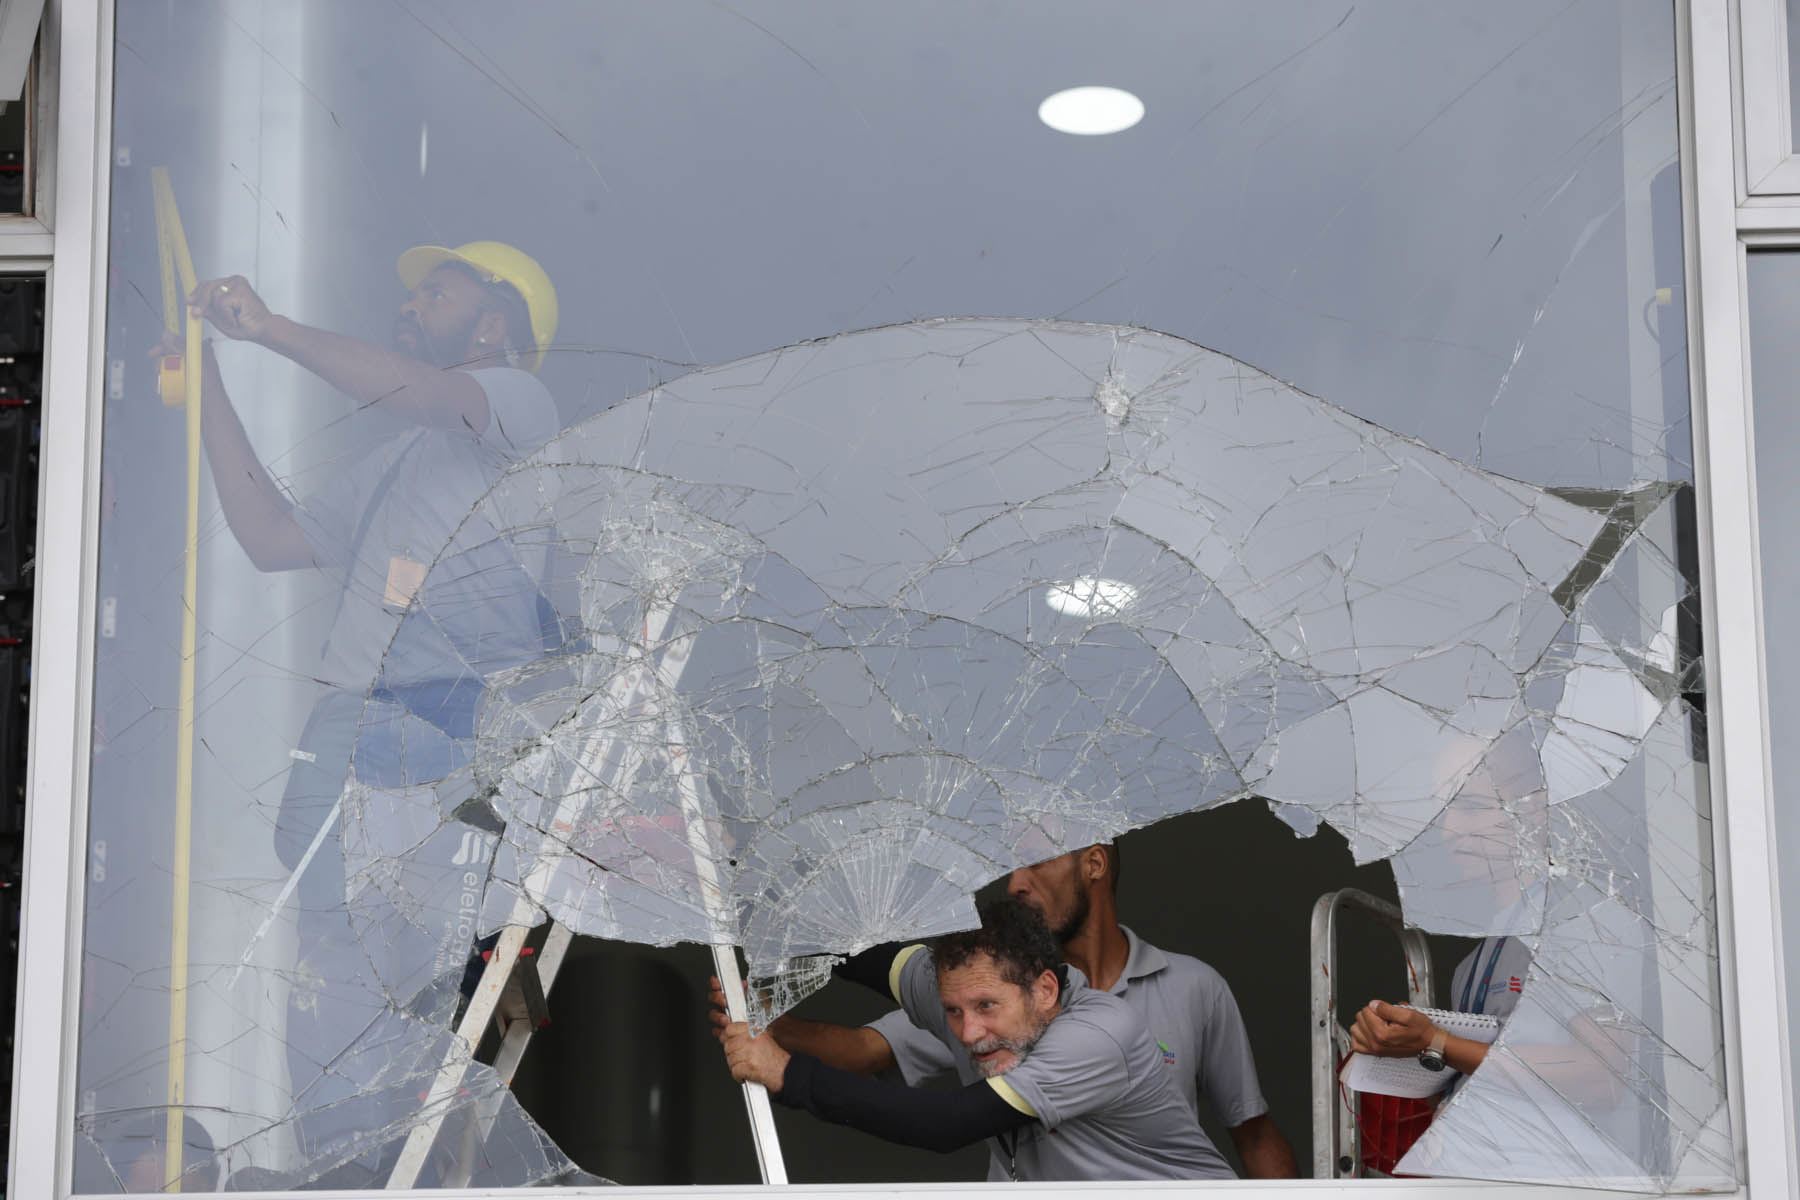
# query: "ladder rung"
522 999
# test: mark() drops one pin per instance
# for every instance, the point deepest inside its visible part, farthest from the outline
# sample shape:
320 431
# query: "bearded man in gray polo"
1064 1081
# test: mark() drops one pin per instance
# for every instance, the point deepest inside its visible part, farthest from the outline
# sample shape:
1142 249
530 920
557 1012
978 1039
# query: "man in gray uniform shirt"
1064 1080
1186 1005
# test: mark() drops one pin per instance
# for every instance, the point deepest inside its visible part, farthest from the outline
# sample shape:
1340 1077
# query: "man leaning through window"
1187 1006
1063 1080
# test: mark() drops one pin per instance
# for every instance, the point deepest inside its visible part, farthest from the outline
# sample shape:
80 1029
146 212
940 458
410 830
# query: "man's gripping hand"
1390 1030
717 1011
233 307
754 1059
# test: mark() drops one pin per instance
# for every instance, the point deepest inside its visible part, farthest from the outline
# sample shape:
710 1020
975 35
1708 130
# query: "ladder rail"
1336 1149
512 1052
596 750
634 688
718 911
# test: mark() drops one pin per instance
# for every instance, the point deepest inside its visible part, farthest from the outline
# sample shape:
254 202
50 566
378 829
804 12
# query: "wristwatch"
1432 1056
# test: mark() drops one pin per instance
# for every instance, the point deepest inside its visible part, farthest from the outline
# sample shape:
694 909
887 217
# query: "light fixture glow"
1090 597
1090 111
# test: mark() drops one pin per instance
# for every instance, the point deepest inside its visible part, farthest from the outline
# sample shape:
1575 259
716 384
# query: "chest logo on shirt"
1168 1054
1512 984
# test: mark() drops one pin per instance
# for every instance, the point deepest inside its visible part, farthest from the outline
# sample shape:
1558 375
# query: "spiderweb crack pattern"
852 628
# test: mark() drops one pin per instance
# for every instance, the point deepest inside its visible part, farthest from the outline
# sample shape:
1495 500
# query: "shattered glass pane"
931 639
782 605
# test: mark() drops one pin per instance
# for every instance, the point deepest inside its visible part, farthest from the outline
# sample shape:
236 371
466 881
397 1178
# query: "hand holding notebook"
1407 1076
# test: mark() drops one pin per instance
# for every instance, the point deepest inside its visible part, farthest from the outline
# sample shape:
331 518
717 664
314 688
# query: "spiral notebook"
1406 1076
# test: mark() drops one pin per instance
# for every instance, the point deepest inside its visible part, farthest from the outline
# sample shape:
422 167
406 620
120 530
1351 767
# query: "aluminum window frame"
1736 210
74 93
73 158
29 236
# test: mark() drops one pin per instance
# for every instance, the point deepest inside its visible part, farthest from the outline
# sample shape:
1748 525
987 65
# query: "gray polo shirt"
394 511
1188 1009
1105 1104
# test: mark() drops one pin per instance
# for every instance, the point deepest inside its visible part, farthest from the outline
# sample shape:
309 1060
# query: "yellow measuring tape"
178 379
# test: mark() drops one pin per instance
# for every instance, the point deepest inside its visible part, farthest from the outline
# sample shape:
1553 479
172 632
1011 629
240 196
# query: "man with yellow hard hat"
405 651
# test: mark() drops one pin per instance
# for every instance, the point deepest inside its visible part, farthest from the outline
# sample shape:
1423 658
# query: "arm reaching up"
439 397
260 515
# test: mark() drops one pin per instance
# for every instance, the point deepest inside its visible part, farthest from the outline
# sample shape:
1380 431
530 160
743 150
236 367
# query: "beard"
1020 1047
410 339
1076 917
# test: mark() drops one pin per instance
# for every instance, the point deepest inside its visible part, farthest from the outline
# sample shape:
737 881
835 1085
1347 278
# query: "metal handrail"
1336 1149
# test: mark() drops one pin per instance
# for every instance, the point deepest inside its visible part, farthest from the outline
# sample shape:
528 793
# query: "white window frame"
73 92
1769 165
1721 222
25 238
1739 121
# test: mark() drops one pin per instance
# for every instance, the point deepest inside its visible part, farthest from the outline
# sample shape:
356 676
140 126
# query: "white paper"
1406 1077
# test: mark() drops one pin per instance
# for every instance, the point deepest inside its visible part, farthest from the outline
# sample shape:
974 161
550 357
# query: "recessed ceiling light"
1091 110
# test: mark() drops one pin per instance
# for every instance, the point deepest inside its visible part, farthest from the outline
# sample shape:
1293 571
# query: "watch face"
1431 1060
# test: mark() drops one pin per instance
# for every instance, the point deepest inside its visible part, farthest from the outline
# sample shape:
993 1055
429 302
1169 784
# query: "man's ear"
1046 991
490 331
1093 864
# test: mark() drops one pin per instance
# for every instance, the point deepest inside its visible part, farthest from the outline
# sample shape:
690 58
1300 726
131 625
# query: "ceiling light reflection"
1090 111
1090 597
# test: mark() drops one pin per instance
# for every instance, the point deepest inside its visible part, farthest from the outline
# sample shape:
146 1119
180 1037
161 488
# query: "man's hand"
423 393
754 1059
232 306
1390 1030
858 1049
717 1011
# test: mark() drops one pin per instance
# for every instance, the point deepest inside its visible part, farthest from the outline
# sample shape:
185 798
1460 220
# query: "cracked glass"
799 487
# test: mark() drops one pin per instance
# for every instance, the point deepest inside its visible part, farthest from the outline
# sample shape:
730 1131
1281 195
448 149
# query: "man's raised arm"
261 517
426 394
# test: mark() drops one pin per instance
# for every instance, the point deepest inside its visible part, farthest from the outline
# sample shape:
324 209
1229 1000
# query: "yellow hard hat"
495 262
